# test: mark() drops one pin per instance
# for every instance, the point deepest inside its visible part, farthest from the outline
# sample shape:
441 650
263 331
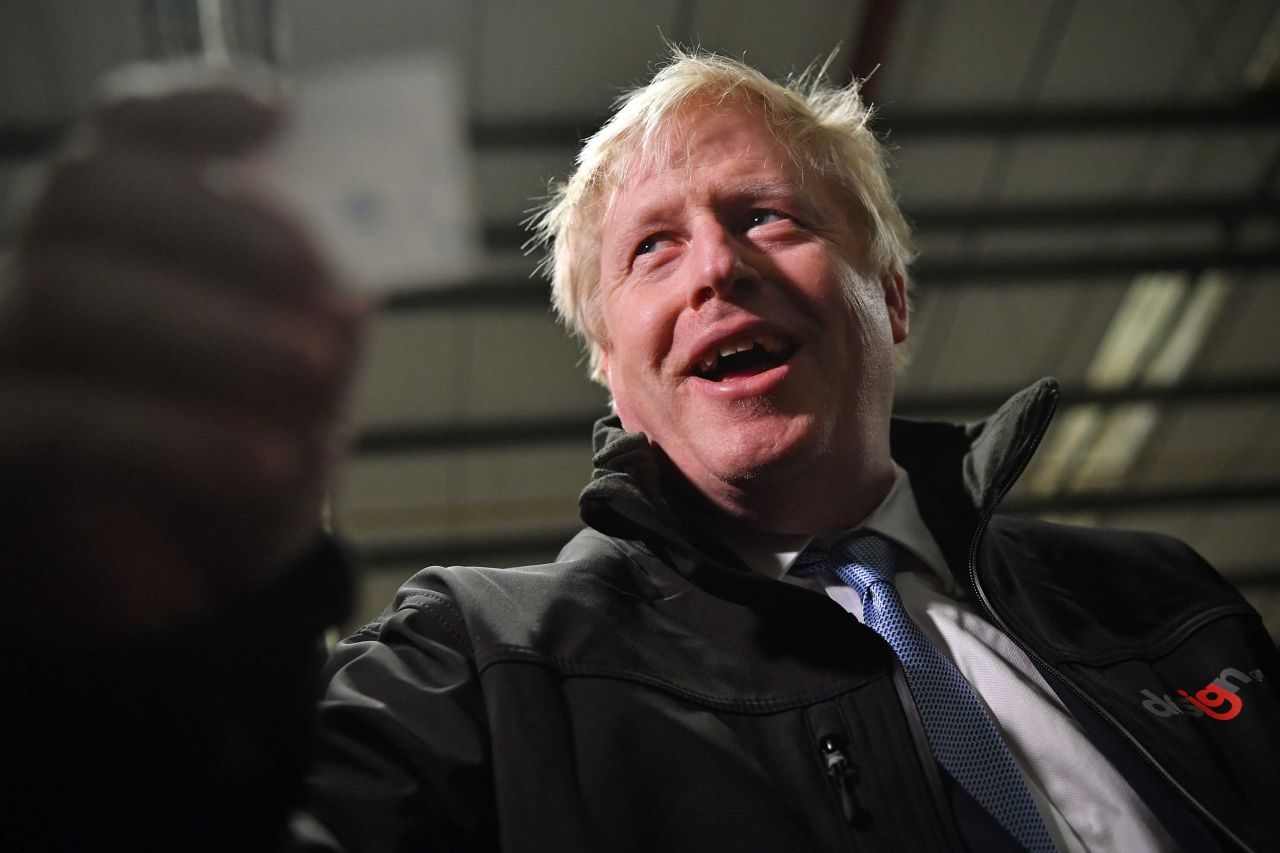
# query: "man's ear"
606 369
894 284
616 397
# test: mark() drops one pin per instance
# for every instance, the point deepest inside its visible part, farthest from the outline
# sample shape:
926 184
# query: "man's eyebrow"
796 194
644 219
772 188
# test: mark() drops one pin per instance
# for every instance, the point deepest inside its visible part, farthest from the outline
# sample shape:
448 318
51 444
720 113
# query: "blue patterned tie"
964 739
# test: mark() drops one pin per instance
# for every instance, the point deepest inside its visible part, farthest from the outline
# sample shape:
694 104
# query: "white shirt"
1086 804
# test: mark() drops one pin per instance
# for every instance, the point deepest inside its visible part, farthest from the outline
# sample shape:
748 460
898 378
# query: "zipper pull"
844 775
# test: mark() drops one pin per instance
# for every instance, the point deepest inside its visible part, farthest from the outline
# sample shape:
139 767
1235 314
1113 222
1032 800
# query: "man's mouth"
745 356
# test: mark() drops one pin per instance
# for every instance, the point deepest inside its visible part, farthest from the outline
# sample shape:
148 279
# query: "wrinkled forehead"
698 132
730 147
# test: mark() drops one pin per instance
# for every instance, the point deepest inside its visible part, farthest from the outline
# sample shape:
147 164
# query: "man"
692 671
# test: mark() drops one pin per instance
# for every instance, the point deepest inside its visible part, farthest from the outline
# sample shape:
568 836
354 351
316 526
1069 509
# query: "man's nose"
720 266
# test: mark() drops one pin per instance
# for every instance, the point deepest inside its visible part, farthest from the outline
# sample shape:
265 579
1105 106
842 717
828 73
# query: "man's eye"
651 244
757 218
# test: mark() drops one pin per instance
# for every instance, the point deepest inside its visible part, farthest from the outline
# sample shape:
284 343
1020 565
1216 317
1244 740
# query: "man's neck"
778 515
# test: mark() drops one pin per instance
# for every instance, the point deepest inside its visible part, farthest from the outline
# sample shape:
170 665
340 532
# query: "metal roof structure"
1095 188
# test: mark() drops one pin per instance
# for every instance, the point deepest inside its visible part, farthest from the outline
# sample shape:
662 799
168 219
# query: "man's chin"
769 448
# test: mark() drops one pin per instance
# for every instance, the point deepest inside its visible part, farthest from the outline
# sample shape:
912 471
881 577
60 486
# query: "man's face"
739 335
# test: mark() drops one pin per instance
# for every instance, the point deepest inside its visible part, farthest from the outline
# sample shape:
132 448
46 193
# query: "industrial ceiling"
1095 187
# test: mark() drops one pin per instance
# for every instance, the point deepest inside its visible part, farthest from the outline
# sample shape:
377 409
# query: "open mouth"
743 357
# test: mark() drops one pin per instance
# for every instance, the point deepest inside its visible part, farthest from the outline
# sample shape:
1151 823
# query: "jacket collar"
960 471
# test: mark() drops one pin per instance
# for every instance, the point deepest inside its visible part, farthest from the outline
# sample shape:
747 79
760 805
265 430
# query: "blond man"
763 636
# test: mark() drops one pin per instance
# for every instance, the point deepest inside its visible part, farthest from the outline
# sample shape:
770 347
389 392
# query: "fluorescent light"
1115 446
1139 324
1078 519
1264 66
1188 336
1072 433
1154 337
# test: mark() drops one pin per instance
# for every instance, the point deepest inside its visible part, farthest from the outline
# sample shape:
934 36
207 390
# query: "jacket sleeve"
196 739
402 759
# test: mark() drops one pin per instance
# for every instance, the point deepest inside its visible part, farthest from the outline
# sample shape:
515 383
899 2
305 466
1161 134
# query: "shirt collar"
897 518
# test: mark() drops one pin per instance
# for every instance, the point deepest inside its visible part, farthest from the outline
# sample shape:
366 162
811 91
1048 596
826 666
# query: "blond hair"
825 127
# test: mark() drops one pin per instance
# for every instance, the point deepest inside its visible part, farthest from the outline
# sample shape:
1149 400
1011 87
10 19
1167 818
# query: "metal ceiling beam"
1083 268
27 141
508 432
510 291
1256 111
485 292
1145 498
1252 111
505 549
1215 209
1261 576
576 428
499 236
1192 391
1106 212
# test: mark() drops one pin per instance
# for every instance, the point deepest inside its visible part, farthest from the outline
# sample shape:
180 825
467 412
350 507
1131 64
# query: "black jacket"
646 692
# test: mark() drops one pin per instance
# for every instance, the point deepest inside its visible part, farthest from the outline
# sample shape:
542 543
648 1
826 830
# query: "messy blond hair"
825 126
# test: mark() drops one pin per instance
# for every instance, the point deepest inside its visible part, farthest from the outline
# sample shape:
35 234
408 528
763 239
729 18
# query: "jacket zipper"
985 603
928 761
844 776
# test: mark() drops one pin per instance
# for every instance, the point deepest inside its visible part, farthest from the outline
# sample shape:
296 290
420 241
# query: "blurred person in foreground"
791 622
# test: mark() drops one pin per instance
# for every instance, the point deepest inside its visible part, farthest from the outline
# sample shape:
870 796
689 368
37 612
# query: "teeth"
769 343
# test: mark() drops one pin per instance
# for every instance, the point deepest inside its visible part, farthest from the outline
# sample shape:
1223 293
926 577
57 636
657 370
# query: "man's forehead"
732 140
699 132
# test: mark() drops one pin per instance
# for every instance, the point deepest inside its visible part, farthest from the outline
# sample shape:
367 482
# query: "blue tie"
964 739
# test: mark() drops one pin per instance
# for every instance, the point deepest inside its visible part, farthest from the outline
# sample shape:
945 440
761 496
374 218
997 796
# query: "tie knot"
858 561
813 560
862 561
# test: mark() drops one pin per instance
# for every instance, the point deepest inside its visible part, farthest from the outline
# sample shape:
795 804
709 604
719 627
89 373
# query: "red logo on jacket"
1218 700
